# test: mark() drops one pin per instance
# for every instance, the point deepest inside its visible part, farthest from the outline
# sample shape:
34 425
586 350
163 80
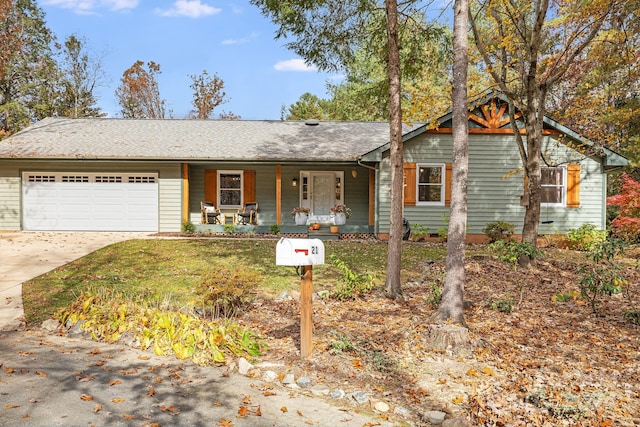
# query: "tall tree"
392 283
138 93
328 33
528 46
81 75
600 96
25 63
452 305
208 93
308 106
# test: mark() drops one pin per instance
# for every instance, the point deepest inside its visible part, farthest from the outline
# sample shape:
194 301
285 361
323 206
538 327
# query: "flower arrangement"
300 209
342 209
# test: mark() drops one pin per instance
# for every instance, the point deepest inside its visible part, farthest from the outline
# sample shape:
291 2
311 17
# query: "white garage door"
90 201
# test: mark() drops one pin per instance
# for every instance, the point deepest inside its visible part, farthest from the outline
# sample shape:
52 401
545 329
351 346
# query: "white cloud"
294 65
84 7
190 8
243 40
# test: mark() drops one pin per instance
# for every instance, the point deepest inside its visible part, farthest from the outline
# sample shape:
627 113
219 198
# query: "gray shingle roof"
101 138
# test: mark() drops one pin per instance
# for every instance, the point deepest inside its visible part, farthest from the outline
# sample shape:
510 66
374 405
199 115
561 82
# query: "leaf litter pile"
538 360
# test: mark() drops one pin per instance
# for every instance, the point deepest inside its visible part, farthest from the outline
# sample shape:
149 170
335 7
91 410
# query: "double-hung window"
431 184
230 189
554 188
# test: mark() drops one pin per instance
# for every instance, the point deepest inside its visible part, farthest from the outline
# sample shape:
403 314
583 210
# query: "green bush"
498 230
510 252
603 276
419 232
435 297
502 305
225 293
274 229
352 284
586 237
229 228
188 227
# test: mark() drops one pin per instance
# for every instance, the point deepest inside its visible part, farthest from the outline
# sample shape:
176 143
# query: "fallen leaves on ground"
543 363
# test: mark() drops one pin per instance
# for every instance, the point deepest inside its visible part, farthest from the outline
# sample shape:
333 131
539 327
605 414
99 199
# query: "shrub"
498 230
585 237
108 316
352 284
274 229
602 277
419 232
188 227
626 225
502 305
510 252
443 234
435 297
225 293
229 228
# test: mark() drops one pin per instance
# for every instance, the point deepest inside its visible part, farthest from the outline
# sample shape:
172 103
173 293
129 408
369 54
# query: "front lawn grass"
170 269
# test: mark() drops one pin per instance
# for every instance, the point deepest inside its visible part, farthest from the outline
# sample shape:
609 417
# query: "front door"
323 186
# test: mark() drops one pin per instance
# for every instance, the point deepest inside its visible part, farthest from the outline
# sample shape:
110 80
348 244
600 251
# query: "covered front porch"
278 189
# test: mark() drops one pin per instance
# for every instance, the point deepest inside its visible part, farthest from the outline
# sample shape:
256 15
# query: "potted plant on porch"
300 214
340 214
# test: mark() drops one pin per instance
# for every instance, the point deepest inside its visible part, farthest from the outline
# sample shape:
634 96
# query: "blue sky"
185 37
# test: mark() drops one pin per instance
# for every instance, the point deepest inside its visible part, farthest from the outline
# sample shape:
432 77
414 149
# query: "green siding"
493 190
356 190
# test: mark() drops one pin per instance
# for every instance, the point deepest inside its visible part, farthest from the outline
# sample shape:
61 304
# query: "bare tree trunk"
533 125
452 305
393 285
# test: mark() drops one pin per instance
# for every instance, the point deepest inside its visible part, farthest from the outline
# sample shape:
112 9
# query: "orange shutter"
573 186
409 196
249 189
211 186
447 184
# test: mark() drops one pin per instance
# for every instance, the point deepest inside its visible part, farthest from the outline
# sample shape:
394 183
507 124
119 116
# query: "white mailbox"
295 252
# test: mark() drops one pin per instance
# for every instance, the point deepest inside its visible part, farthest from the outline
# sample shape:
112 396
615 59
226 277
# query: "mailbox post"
302 253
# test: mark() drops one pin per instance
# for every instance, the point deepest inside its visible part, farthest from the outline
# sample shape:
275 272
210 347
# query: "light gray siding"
495 185
170 187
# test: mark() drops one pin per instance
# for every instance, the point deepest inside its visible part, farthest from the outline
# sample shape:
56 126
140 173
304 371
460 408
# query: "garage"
73 201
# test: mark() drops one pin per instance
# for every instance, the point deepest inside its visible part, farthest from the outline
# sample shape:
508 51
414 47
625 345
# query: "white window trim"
233 172
562 204
443 167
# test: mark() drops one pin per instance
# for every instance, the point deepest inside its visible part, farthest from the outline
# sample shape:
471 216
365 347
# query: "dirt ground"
544 363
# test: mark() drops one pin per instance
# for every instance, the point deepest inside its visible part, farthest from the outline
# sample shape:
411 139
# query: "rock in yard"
360 397
381 407
320 390
243 366
337 394
288 379
269 376
435 417
303 382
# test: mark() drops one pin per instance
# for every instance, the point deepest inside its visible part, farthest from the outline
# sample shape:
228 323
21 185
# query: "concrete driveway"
25 255
51 379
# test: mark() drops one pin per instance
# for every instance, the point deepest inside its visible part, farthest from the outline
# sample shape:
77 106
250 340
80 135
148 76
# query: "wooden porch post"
185 192
372 197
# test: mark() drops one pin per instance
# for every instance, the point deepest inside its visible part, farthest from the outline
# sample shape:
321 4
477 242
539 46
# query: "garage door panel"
90 202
